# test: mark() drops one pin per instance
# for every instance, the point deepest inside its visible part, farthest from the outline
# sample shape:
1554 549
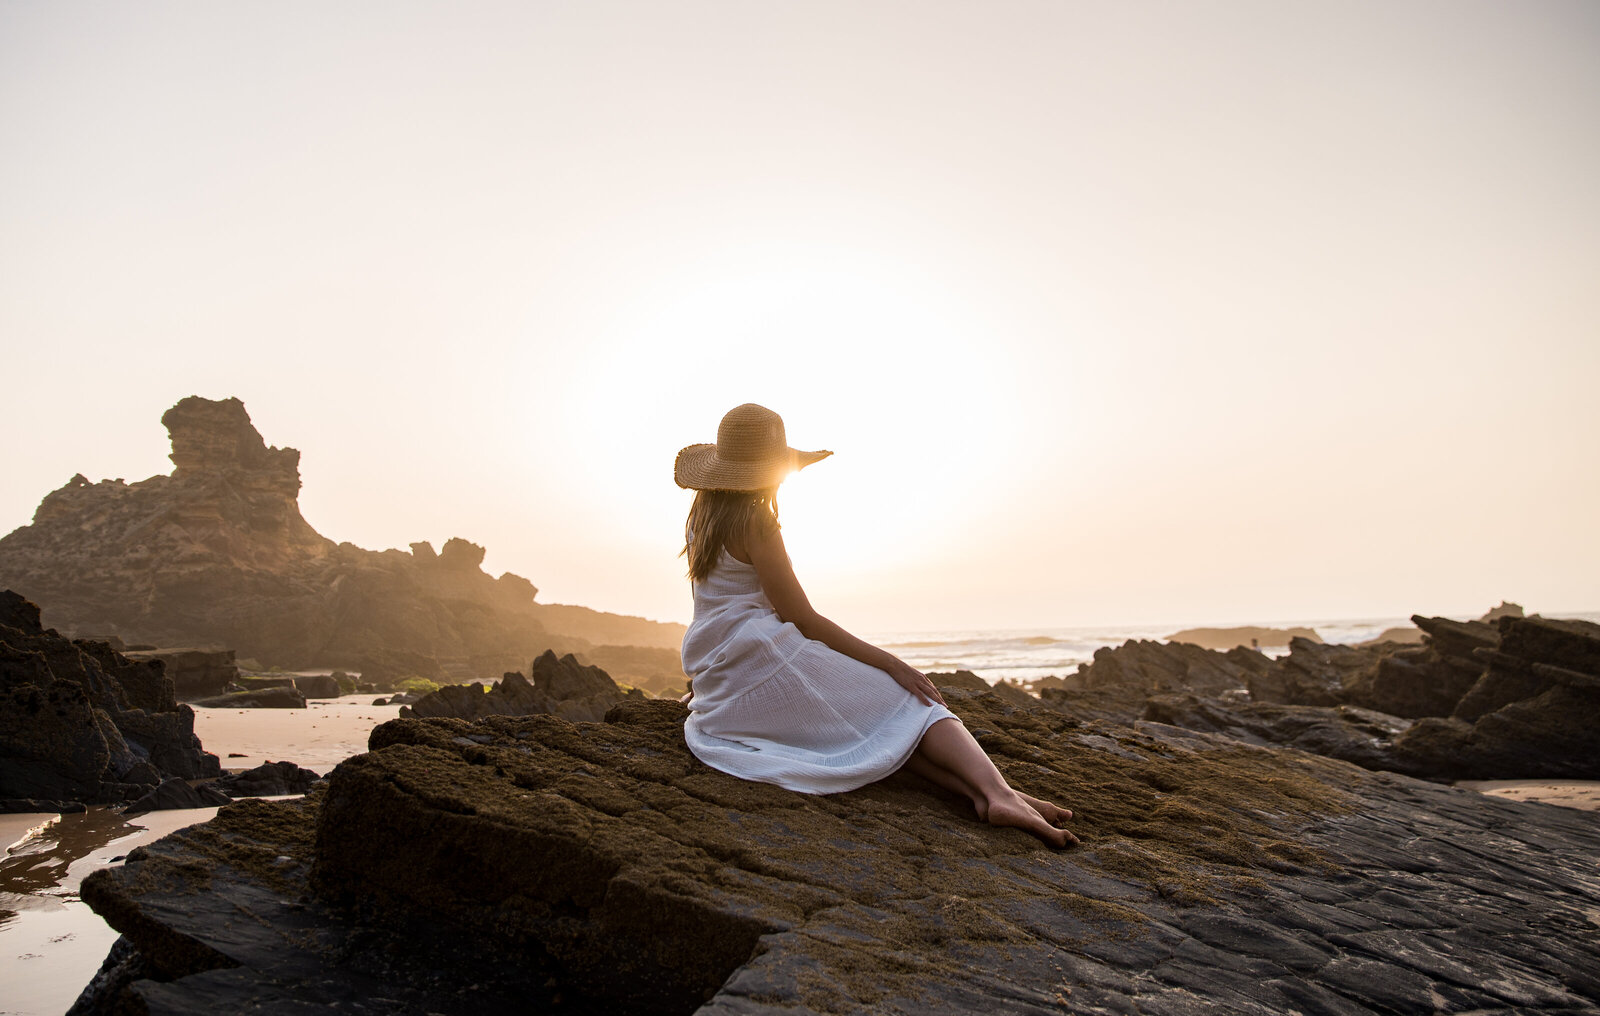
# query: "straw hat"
751 453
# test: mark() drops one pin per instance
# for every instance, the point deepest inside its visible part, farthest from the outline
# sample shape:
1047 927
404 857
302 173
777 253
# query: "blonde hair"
718 516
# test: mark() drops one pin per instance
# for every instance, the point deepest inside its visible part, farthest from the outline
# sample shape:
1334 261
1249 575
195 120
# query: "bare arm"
763 544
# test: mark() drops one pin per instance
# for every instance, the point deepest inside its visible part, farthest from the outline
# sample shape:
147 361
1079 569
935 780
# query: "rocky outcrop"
175 793
309 685
531 865
1534 711
1516 699
1115 684
195 673
218 554
270 779
1243 638
1410 681
280 697
81 722
967 681
1348 733
561 687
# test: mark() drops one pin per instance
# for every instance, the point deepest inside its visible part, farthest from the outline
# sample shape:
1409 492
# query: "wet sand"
319 737
51 944
1581 794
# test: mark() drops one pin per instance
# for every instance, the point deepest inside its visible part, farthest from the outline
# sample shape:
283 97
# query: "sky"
1118 313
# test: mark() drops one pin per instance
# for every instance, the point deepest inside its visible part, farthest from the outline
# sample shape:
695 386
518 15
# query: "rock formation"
1515 699
269 779
1242 638
281 697
81 722
563 687
218 554
1117 681
531 865
1533 712
195 673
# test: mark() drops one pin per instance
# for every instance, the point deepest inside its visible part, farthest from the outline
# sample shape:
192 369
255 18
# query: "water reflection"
50 942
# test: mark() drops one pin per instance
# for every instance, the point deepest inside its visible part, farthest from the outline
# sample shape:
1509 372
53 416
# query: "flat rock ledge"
532 864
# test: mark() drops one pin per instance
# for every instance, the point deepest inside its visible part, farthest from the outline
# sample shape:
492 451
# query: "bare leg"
948 745
952 782
925 768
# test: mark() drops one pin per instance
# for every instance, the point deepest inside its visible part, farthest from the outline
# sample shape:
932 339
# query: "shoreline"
51 943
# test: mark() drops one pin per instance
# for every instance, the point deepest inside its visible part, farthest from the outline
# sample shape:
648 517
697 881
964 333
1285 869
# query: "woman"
783 695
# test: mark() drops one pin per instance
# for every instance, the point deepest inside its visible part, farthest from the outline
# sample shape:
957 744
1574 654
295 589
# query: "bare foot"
1049 812
1014 811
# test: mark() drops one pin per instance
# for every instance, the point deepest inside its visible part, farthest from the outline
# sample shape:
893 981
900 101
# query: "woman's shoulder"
761 528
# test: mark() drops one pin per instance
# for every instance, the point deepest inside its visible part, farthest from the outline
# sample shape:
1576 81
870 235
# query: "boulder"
256 682
176 793
195 673
530 864
261 698
80 721
318 686
562 686
270 779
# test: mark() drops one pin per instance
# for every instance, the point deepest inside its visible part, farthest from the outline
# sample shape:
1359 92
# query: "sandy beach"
1581 794
318 737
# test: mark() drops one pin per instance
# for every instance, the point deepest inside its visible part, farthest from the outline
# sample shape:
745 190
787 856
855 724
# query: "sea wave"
1030 654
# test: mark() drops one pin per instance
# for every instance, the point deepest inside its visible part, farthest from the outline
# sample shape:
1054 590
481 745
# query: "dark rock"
1534 713
270 779
261 698
80 721
318 686
176 793
255 682
1119 679
195 673
967 681
1402 680
562 687
218 553
1313 674
1356 735
24 805
565 678
602 863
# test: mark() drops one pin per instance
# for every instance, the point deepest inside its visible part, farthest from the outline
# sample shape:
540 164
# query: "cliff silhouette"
217 553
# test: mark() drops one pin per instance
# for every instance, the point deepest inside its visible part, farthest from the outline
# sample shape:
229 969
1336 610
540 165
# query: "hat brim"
699 468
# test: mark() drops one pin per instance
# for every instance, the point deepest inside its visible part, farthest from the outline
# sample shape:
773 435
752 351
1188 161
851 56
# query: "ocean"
1029 654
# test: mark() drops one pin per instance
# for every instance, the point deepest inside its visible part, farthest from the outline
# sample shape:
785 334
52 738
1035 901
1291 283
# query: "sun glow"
888 369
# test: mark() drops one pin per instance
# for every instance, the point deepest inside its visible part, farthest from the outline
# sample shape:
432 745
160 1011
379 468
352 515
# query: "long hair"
717 516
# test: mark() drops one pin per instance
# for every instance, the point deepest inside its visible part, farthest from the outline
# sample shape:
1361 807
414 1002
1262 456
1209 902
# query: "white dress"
774 706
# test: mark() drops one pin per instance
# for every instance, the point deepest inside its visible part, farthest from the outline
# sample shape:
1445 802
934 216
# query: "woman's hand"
914 681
